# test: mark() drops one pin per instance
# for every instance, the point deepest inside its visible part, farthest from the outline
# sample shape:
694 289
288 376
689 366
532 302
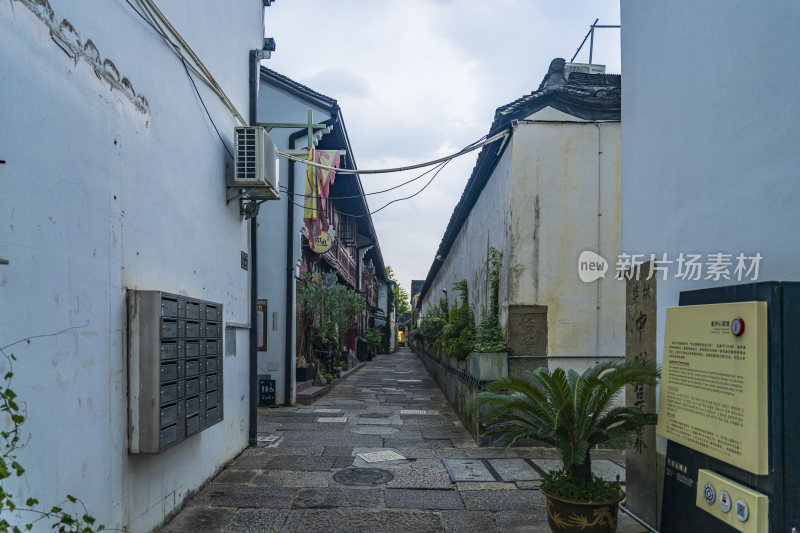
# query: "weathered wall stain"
68 40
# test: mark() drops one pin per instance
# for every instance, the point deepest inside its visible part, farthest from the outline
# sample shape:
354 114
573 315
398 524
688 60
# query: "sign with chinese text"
322 242
714 382
640 343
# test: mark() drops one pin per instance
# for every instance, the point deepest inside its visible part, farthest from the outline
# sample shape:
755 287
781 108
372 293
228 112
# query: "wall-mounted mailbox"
174 368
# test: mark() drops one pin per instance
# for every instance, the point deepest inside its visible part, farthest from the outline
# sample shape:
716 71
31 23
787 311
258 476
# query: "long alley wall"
114 179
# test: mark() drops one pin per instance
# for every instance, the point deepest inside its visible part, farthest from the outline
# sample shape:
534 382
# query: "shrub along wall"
460 380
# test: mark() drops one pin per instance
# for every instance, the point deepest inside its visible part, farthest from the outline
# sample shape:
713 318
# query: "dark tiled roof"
582 95
416 286
298 89
338 138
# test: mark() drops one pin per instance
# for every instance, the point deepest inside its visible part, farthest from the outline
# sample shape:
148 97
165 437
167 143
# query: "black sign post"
266 392
680 511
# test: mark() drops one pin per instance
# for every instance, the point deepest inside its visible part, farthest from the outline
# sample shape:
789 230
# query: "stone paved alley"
390 405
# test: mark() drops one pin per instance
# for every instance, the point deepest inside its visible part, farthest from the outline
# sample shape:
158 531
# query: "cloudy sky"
420 79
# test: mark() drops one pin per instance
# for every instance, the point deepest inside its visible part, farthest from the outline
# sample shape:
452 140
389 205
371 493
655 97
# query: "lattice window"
347 230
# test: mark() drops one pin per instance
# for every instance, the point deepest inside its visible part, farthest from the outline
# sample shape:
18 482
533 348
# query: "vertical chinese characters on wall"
640 343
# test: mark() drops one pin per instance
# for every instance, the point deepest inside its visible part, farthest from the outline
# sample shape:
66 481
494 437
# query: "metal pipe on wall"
253 411
290 295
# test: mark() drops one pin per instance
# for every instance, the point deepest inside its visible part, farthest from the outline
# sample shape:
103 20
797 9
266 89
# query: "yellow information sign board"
714 382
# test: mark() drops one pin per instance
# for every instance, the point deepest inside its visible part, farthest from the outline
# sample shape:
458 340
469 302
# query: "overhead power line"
490 140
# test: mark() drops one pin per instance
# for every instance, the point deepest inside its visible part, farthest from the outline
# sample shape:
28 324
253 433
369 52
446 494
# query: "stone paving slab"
521 521
293 479
421 479
286 482
244 496
374 430
514 470
343 520
337 497
467 470
461 521
374 421
423 499
300 463
200 519
500 500
235 477
257 520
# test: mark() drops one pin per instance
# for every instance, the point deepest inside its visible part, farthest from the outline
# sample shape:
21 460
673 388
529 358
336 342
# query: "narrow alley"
417 484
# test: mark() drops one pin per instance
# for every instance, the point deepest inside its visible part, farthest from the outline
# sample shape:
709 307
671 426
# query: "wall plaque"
640 343
714 382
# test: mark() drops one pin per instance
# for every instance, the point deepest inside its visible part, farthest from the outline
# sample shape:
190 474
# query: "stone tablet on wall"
640 343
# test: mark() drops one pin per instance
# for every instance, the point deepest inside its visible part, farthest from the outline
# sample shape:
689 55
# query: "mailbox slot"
171 383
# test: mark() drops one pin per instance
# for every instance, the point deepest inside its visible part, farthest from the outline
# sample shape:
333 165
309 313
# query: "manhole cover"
363 477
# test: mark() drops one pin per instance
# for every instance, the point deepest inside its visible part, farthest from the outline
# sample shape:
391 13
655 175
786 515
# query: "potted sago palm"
572 412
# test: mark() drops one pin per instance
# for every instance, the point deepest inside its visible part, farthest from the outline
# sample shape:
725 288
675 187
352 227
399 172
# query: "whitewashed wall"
275 105
710 117
540 208
563 174
97 197
486 226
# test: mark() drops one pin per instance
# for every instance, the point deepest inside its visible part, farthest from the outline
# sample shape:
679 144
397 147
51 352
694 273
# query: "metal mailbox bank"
730 410
174 368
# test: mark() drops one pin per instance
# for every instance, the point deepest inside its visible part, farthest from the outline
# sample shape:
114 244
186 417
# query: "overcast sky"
419 79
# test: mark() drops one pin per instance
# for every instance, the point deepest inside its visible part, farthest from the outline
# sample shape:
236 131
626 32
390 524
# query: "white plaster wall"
485 227
96 198
563 175
275 105
710 159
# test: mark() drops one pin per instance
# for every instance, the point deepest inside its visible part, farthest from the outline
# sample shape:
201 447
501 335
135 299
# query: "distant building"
543 195
112 180
416 289
354 257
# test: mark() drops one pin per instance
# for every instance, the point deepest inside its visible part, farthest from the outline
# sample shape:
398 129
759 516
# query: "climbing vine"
489 336
452 329
11 440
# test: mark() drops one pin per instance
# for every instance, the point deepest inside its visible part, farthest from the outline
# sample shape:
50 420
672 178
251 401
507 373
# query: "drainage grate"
363 477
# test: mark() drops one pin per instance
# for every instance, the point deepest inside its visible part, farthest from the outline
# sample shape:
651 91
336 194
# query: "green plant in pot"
572 412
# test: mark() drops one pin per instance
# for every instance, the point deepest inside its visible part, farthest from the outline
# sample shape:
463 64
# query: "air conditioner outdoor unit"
255 162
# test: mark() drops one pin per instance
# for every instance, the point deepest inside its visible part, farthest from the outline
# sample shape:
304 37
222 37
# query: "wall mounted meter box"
174 369
730 410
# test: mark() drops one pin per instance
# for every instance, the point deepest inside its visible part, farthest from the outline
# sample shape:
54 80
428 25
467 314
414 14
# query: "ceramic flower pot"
573 516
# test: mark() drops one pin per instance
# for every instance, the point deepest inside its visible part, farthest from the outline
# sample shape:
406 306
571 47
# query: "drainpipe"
290 319
366 248
598 312
253 418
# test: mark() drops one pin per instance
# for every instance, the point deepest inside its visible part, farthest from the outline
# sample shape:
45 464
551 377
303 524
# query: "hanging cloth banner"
318 183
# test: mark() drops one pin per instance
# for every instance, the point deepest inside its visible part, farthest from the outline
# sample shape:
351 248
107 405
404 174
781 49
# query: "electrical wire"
215 86
439 168
150 20
286 190
199 68
490 140
197 92
154 24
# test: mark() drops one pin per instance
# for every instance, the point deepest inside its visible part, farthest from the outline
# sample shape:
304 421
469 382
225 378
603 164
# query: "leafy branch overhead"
400 295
